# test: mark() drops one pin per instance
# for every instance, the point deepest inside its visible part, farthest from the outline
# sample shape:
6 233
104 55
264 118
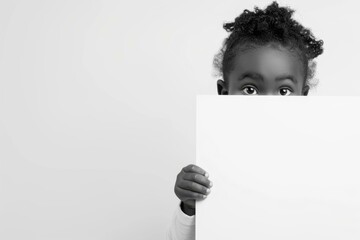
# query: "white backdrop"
97 106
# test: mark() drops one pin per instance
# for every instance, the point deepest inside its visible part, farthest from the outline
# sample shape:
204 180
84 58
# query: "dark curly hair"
271 25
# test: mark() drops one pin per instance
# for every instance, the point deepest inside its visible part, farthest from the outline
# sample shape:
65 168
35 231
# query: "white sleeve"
181 227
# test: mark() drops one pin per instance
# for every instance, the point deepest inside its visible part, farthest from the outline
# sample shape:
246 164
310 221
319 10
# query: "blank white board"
281 167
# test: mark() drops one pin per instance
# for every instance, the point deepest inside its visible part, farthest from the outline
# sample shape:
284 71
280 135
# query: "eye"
249 90
285 91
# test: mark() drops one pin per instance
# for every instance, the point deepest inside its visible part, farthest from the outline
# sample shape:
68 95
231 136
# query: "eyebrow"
290 77
258 76
252 75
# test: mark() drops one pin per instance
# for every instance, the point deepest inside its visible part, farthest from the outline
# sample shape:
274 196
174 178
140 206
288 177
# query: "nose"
269 88
269 92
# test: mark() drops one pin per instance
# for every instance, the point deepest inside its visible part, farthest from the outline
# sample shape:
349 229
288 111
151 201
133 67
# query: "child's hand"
192 184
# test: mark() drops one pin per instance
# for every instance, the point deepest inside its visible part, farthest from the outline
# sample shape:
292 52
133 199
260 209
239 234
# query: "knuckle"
198 195
207 182
193 195
188 196
203 180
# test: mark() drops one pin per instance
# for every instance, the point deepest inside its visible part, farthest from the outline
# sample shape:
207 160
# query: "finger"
185 195
194 187
195 169
195 177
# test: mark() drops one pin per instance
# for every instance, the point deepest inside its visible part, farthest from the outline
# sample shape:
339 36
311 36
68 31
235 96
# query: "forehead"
269 61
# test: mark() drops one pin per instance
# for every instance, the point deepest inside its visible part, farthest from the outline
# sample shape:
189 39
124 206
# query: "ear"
305 90
221 87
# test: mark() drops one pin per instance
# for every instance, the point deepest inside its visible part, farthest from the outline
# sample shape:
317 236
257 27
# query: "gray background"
97 104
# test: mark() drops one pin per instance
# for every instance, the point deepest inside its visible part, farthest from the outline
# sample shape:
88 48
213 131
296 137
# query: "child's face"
265 71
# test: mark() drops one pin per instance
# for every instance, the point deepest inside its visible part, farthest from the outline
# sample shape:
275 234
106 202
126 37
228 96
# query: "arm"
191 184
182 226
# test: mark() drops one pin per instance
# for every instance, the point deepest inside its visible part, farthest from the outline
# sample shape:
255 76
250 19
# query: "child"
267 53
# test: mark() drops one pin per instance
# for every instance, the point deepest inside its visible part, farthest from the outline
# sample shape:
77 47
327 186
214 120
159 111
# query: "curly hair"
273 25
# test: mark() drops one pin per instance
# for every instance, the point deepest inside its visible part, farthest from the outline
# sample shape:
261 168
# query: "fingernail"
204 196
206 175
211 184
208 190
